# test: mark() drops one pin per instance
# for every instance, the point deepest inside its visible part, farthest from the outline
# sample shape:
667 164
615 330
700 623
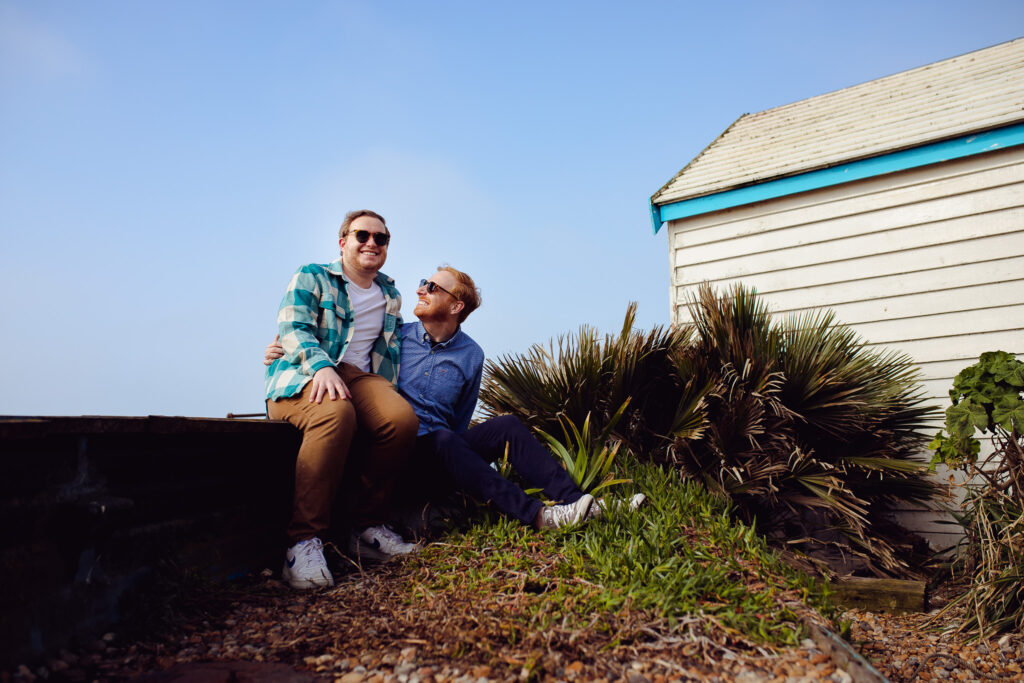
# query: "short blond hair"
465 290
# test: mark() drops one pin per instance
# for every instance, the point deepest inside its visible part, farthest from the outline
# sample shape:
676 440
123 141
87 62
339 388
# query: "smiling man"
340 339
441 373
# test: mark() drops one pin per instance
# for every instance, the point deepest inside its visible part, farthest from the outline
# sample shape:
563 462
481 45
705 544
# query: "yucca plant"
588 457
587 374
809 433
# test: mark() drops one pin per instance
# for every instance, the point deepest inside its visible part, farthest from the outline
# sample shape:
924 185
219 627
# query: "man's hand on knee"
327 381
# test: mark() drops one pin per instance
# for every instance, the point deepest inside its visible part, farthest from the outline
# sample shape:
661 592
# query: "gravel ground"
911 648
368 629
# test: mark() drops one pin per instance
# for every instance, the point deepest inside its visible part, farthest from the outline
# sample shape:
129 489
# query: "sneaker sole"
360 550
304 584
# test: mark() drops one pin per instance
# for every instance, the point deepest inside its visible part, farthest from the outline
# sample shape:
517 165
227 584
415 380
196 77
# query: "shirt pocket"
333 315
448 381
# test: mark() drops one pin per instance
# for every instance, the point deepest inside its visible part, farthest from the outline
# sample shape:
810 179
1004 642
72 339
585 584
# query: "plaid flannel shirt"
315 323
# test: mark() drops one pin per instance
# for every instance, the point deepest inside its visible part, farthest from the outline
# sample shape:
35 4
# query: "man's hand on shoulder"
328 381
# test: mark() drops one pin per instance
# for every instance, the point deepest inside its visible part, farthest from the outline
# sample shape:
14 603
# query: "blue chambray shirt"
440 381
315 323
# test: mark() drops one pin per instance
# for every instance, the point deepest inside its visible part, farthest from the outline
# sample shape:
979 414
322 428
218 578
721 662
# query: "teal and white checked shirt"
315 323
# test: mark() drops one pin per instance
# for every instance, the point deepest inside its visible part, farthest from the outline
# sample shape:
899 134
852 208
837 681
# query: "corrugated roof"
966 94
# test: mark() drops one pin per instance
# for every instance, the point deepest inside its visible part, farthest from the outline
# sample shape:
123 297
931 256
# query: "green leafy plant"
680 567
587 457
987 397
810 434
587 374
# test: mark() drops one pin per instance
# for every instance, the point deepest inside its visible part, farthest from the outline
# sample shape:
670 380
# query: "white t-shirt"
368 310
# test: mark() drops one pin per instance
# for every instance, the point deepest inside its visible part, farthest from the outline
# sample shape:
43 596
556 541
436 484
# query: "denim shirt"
315 323
441 381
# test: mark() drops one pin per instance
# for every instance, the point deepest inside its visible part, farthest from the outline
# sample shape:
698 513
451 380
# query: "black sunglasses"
433 287
362 236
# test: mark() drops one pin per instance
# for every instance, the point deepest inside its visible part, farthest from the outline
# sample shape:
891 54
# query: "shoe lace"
389 539
561 514
311 552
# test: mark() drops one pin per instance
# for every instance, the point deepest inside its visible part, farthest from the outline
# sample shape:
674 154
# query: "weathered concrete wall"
90 506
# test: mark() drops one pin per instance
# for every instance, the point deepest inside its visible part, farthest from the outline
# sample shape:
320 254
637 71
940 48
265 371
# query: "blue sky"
165 167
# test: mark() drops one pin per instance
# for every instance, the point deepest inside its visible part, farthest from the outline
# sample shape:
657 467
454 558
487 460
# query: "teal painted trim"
656 217
925 155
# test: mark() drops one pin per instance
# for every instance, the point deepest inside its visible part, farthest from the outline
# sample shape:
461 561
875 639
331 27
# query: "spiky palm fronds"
586 374
805 429
809 431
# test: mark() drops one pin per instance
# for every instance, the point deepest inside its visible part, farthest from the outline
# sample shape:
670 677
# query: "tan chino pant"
328 427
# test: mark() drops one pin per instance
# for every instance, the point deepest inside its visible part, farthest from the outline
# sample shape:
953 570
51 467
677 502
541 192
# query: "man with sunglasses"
339 326
441 372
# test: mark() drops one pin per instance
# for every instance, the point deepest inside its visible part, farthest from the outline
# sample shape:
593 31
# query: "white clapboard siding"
915 303
952 179
830 269
883 252
948 369
965 347
881 292
929 327
927 262
717 242
937 389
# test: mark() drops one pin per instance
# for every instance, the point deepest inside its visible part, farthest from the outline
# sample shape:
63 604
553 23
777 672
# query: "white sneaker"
305 566
558 516
601 505
379 543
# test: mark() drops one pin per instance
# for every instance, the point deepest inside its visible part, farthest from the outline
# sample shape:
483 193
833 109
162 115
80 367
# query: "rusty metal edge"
844 656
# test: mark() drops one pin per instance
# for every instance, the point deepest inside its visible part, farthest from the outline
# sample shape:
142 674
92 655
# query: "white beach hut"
898 203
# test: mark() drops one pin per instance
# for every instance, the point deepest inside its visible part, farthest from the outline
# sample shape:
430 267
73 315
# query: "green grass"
680 560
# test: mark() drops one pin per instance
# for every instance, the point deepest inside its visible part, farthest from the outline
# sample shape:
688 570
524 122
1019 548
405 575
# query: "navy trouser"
466 457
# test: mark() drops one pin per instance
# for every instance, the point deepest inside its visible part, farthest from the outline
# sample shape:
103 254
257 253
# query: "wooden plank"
978 321
790 290
832 270
898 305
919 185
959 346
950 368
898 250
929 285
841 228
930 521
879 595
938 389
